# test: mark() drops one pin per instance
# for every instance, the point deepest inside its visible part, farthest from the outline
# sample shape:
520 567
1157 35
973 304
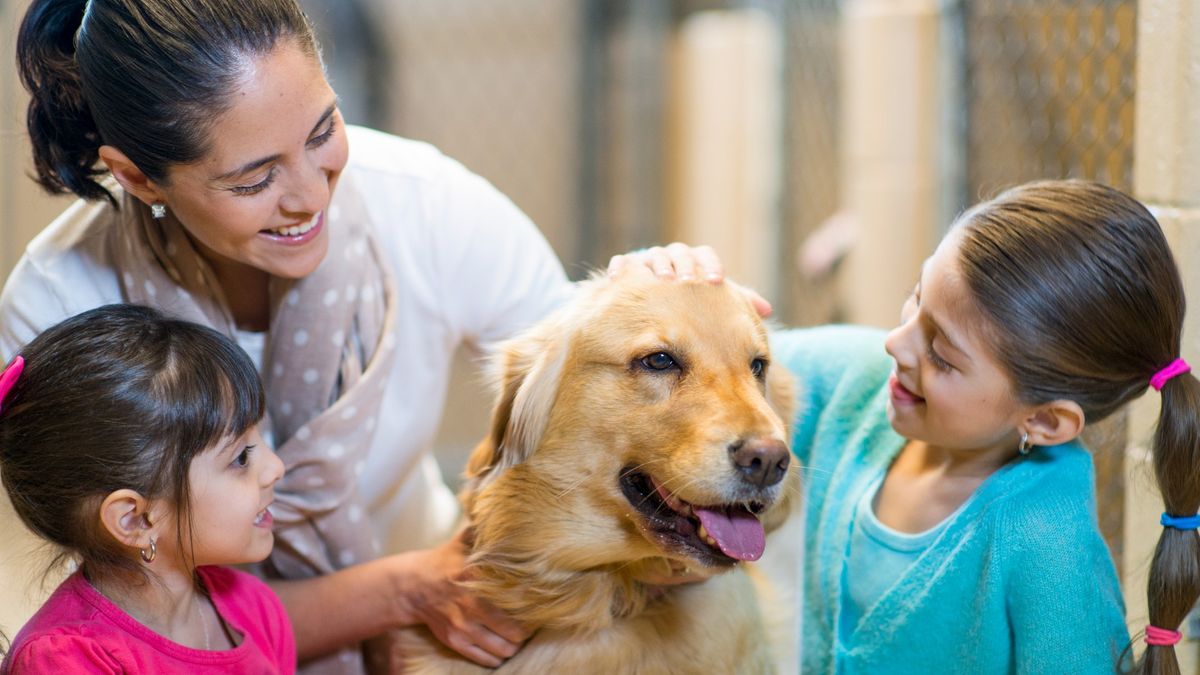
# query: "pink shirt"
79 630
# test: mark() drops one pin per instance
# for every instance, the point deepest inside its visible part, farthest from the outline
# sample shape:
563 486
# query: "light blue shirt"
1019 580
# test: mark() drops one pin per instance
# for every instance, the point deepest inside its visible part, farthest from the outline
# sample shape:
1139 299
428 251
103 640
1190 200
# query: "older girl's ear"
1055 423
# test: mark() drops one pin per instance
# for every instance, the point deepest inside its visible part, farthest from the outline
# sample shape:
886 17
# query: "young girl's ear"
1054 423
126 516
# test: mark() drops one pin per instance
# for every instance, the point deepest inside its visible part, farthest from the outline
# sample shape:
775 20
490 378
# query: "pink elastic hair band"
9 377
1176 367
1161 637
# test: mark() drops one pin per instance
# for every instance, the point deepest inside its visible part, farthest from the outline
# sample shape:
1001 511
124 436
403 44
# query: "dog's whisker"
573 487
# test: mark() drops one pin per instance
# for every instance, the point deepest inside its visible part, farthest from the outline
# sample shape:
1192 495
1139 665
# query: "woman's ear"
1054 423
125 514
130 177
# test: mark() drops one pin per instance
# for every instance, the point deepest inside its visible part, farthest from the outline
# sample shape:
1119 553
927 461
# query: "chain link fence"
1050 94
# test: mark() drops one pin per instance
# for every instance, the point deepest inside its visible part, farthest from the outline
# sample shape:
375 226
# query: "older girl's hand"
463 622
686 263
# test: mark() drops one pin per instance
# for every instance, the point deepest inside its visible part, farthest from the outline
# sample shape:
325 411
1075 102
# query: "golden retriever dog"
639 432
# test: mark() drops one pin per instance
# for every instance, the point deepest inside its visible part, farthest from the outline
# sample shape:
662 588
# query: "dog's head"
641 427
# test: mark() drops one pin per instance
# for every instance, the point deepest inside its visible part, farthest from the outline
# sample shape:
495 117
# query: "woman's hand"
686 263
432 595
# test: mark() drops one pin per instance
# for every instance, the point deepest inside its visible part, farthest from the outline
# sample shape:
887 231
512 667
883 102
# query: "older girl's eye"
937 361
658 361
243 458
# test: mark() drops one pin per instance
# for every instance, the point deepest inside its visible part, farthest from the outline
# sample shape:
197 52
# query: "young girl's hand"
683 262
463 622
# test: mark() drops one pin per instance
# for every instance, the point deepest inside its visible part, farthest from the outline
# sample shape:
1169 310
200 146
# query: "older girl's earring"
158 210
149 557
1024 447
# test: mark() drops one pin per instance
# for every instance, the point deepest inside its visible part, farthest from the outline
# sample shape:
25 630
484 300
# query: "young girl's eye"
319 140
243 458
257 187
937 361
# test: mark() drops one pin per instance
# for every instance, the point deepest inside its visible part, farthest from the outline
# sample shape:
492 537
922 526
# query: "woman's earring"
158 210
1024 447
149 557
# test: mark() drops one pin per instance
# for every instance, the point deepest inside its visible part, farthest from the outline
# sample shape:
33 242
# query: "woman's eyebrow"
258 163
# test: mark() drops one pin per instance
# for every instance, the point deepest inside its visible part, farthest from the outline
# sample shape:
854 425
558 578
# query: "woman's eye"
257 187
658 361
320 139
758 367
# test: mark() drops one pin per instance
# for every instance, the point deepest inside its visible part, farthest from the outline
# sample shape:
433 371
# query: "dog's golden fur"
558 542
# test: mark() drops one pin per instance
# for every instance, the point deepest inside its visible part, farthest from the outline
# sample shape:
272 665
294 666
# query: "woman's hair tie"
1176 367
1161 637
9 377
1180 522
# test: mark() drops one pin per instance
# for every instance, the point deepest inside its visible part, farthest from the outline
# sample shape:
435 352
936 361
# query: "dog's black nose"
761 461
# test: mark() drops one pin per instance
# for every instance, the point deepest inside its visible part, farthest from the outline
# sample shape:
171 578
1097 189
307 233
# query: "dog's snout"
761 462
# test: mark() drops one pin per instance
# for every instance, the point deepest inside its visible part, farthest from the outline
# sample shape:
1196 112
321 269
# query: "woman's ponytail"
64 135
1174 584
147 77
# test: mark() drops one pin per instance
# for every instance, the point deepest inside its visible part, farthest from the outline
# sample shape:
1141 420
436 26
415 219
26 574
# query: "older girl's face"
258 197
948 389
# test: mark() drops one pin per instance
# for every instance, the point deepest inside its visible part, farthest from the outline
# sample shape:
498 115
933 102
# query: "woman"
348 263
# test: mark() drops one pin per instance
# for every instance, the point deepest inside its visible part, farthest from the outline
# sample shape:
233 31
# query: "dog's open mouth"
718 535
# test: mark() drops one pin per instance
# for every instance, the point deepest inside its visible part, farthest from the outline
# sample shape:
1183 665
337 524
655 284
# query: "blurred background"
821 146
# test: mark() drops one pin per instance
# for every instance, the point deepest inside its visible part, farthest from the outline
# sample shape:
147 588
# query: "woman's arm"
417 587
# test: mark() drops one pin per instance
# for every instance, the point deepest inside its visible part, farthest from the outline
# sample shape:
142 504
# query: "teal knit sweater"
1019 581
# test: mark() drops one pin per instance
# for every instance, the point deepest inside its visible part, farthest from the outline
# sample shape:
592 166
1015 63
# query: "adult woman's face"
257 199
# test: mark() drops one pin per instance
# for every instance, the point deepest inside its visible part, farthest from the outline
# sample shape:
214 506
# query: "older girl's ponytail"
1174 582
65 138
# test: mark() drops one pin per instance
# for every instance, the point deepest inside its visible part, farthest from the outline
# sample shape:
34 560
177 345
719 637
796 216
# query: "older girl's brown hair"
1084 302
117 397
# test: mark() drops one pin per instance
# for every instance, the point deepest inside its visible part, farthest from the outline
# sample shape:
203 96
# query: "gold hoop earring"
1025 446
149 557
158 210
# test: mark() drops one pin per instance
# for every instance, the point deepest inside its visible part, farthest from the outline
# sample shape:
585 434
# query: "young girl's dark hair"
117 397
1083 300
147 77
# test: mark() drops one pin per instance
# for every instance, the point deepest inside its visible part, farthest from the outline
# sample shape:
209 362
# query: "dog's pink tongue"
737 531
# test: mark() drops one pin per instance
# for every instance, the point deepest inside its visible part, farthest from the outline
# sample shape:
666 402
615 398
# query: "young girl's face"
948 389
231 486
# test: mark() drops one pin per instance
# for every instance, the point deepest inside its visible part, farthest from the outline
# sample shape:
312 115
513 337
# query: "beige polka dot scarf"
327 357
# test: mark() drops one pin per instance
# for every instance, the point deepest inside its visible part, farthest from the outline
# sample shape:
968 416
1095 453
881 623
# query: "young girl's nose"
272 469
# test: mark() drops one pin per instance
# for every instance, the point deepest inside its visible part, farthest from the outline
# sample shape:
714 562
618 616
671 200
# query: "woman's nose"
310 192
898 345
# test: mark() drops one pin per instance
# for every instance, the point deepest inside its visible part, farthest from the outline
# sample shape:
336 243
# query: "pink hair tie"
9 377
1161 637
1176 367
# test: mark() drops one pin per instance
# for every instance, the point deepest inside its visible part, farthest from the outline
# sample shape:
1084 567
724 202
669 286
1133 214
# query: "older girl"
951 515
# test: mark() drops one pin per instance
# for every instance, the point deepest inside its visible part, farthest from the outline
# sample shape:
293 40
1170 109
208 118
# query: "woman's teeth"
296 230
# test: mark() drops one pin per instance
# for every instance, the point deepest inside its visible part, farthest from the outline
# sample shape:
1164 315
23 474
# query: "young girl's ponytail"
64 135
1174 582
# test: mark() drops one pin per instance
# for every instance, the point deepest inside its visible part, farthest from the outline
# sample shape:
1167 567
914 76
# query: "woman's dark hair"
147 77
117 397
1084 302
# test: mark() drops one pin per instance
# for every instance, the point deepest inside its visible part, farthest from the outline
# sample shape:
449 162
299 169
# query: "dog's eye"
658 361
758 367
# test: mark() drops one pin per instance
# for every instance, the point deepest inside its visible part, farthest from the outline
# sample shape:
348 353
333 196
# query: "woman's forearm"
342 608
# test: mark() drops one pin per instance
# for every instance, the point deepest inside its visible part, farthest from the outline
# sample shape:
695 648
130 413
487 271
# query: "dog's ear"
529 368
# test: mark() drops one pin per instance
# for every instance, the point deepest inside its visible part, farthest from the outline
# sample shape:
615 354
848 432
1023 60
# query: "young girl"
129 440
951 508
